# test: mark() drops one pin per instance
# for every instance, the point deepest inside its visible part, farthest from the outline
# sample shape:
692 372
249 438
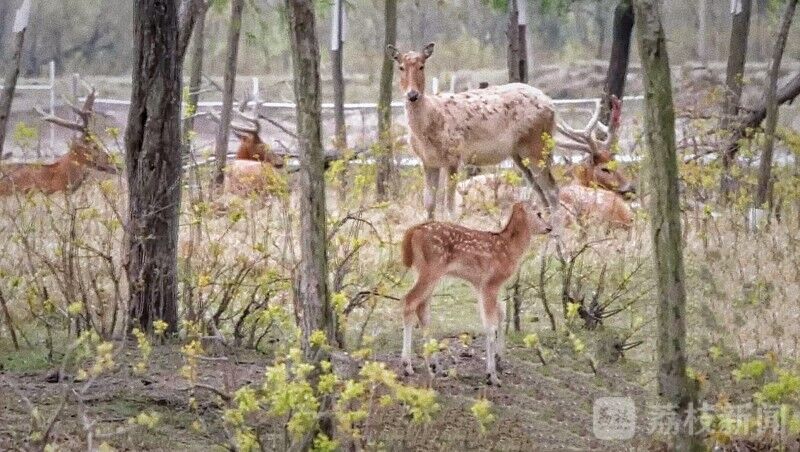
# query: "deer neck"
517 233
422 112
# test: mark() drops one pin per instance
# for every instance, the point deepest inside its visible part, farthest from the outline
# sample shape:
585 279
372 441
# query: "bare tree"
312 304
702 31
337 50
10 83
385 103
734 74
620 54
196 70
153 145
665 226
765 166
229 84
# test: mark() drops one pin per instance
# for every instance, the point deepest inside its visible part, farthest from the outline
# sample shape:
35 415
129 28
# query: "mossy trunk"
665 227
153 158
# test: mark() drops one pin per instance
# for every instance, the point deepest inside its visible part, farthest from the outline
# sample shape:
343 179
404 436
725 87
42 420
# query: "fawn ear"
427 51
393 52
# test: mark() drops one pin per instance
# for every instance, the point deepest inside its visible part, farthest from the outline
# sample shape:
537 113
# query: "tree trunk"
229 84
312 304
190 12
702 39
665 227
734 74
765 166
153 145
9 85
337 49
196 71
514 41
600 29
620 53
385 166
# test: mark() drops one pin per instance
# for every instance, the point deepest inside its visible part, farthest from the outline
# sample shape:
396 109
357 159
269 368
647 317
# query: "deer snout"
412 95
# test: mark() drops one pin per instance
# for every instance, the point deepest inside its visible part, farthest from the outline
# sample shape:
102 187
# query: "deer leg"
491 323
452 172
431 189
416 301
528 175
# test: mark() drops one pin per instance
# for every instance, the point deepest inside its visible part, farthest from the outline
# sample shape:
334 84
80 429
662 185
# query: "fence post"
52 105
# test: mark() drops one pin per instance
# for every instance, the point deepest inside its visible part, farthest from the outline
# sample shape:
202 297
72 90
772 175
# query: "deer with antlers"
597 187
477 127
66 174
250 171
484 259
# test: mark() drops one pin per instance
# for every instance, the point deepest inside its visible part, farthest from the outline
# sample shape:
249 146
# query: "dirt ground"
538 407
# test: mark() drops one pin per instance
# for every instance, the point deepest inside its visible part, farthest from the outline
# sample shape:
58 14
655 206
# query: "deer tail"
408 251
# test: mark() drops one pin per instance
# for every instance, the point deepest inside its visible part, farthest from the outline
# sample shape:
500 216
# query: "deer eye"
402 68
422 67
605 170
539 214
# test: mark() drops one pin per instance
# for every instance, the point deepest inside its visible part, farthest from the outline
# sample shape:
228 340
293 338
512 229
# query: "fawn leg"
491 323
415 300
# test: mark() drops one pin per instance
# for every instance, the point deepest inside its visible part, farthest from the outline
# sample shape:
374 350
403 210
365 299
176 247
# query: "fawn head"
533 217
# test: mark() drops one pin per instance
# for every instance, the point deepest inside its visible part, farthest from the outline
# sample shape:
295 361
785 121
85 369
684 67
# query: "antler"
586 139
254 130
85 114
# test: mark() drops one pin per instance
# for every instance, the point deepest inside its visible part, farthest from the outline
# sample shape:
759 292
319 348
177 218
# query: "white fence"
51 87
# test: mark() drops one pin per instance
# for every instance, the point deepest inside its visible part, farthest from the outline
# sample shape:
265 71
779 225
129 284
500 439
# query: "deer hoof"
492 380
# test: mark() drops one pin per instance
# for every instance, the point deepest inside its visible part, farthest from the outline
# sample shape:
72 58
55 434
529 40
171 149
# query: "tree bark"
9 85
229 84
337 49
189 13
702 39
665 227
153 145
620 54
765 165
196 71
734 74
312 304
385 157
514 41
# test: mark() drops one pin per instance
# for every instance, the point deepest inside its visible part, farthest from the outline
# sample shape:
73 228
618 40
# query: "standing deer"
68 172
596 190
484 259
478 127
250 171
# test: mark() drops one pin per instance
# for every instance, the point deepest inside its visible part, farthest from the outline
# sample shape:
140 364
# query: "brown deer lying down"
484 259
68 172
252 171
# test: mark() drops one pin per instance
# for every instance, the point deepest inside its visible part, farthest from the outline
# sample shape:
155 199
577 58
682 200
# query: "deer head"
251 147
86 149
599 169
412 70
523 212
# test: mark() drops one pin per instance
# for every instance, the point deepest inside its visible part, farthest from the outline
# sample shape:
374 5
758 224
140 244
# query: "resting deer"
68 172
484 259
250 171
478 127
596 191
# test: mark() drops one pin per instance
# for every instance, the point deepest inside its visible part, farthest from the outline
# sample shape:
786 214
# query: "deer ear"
427 51
393 52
